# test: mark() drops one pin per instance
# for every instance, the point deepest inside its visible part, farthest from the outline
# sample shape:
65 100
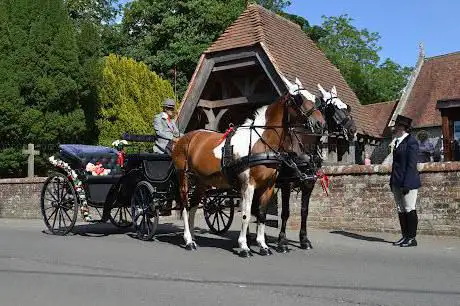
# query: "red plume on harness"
120 159
324 180
228 131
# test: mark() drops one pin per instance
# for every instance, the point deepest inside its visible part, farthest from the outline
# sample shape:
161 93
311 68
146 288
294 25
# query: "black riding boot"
403 224
412 222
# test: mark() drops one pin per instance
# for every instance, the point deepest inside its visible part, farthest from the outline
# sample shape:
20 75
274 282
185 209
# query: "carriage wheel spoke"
61 191
70 219
52 195
214 220
142 199
66 193
55 216
218 222
121 215
223 212
116 214
222 218
147 223
53 213
49 200
142 226
98 212
63 219
127 213
59 217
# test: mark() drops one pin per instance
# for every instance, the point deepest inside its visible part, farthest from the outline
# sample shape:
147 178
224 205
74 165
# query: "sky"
402 24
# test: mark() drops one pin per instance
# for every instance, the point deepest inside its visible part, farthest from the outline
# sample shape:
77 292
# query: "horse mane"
252 118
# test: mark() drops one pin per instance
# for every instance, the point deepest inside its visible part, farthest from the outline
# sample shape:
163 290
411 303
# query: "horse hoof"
245 254
306 246
191 247
265 252
282 249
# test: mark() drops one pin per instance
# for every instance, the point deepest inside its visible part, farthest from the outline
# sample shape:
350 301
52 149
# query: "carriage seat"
79 156
156 167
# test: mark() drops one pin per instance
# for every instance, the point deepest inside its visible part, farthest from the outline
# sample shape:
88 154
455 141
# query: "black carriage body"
97 188
156 169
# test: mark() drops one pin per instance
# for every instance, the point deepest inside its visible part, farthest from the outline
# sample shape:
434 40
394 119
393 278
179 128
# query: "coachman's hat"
404 121
169 103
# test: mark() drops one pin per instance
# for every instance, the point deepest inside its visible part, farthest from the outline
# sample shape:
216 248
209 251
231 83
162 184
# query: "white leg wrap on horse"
261 236
247 194
187 236
192 221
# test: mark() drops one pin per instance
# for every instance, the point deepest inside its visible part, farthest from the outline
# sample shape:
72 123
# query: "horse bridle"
293 100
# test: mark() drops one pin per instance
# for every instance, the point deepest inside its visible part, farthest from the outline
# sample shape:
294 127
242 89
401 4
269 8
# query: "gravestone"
30 161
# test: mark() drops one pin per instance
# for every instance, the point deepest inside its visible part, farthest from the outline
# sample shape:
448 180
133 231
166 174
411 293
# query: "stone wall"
20 198
360 199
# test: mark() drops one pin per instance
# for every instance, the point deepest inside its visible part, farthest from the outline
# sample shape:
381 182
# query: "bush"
129 96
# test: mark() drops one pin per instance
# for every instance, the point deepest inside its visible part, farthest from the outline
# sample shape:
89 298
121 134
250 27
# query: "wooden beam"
229 66
192 100
272 74
447 132
450 103
231 56
222 103
255 99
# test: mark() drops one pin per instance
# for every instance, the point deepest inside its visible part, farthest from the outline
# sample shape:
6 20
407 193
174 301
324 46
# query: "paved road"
90 268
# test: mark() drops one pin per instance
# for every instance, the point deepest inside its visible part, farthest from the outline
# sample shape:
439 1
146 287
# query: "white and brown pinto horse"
307 147
198 155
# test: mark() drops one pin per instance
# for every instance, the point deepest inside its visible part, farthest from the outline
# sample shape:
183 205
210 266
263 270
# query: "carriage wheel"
121 216
145 217
59 204
218 213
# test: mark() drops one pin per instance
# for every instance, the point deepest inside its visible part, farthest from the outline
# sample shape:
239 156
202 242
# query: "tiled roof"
381 115
293 54
438 79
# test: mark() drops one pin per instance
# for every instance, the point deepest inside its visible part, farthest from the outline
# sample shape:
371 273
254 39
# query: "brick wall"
20 198
360 199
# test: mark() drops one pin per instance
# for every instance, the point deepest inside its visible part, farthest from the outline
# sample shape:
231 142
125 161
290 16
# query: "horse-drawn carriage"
208 169
136 188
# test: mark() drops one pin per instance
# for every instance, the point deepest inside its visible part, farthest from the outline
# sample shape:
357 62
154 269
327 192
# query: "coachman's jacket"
404 173
165 130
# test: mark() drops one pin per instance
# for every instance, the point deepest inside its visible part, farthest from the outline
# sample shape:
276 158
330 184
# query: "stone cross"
30 161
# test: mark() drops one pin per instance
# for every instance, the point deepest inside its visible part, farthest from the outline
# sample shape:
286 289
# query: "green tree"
356 53
314 32
273 5
40 65
387 80
96 37
172 34
129 96
94 11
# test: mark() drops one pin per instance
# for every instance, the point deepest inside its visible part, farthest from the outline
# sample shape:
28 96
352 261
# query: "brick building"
242 71
432 99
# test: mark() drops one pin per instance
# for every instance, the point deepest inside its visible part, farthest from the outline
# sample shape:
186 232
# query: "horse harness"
232 167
